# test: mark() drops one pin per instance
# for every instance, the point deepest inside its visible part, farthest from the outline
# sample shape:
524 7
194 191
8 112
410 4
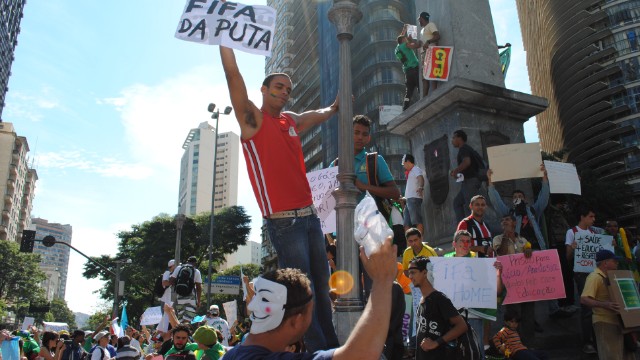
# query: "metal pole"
213 201
116 297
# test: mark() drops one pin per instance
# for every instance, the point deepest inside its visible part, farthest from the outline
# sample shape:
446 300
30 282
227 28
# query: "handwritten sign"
28 321
322 183
55 326
231 310
437 63
248 28
563 178
536 278
515 161
584 258
412 31
468 282
151 316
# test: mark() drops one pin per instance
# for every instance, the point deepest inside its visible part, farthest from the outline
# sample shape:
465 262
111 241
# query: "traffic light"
26 245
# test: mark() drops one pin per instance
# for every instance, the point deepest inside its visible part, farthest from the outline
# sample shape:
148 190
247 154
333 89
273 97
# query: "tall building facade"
196 170
587 65
53 259
250 253
10 17
17 183
307 49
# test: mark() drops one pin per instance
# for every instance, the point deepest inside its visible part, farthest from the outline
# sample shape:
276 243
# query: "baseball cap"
214 309
192 259
171 263
205 335
424 15
603 255
100 335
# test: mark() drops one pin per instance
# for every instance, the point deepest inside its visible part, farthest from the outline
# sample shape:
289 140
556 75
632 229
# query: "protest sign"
412 31
515 161
322 183
533 279
584 256
437 63
406 318
416 295
55 326
468 282
231 310
151 316
248 28
28 321
563 178
624 291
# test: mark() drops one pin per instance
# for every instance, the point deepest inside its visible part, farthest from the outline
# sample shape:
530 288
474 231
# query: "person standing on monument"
414 193
429 35
275 163
410 67
467 173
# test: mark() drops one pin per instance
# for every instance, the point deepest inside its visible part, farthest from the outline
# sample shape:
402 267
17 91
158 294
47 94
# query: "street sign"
225 285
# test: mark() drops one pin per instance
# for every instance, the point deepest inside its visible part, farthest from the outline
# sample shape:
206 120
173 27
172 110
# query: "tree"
151 245
60 312
97 318
20 278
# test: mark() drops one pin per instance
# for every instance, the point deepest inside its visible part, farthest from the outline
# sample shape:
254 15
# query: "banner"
322 183
231 310
406 318
55 326
505 60
248 28
151 316
468 282
533 279
437 63
584 256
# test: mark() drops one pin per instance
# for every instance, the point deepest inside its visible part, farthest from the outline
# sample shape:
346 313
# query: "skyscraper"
196 170
55 259
307 49
10 16
17 183
584 57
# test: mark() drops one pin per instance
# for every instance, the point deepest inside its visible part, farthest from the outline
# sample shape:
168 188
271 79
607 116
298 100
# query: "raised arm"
308 119
248 115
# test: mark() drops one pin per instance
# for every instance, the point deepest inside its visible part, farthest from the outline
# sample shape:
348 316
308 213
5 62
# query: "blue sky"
106 95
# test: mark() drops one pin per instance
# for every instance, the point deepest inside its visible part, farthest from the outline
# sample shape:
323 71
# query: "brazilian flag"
505 59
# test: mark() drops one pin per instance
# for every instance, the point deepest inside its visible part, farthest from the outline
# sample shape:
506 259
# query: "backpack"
467 345
185 280
158 289
481 167
384 205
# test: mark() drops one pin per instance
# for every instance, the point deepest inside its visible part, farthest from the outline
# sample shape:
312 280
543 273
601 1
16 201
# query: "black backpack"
480 166
184 280
467 345
158 289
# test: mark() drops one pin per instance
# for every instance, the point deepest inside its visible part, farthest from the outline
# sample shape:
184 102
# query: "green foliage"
20 278
97 318
151 245
60 312
250 270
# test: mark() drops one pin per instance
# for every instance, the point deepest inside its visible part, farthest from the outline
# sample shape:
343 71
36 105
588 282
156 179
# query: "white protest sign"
248 28
387 113
416 295
412 31
468 282
563 178
28 321
55 326
515 161
584 256
151 316
231 310
322 183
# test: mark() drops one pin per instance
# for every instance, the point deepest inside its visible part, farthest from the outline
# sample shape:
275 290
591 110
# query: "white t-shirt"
396 216
100 353
166 297
426 33
411 191
220 324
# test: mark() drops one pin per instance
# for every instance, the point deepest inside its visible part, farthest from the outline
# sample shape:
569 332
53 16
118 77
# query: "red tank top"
276 166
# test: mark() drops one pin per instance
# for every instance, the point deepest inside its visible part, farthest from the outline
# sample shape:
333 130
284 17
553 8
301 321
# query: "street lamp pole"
116 296
179 219
215 114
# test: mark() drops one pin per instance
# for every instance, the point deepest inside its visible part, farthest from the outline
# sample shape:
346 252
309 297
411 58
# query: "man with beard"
527 216
182 349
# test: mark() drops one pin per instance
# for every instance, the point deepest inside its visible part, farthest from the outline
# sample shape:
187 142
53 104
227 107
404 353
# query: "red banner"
437 63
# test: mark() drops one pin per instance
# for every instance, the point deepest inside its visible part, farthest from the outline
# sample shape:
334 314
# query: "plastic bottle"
371 228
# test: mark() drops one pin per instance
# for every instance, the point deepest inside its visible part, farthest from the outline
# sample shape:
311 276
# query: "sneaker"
589 349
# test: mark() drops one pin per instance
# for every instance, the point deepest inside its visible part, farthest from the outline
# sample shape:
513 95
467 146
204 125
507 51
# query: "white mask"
267 306
517 201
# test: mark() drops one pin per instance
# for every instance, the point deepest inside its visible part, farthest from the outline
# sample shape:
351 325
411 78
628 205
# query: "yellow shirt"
595 288
408 255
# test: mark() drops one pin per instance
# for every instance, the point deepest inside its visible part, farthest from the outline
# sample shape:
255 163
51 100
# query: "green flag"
505 59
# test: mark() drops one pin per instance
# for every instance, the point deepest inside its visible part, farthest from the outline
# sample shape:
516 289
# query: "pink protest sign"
533 279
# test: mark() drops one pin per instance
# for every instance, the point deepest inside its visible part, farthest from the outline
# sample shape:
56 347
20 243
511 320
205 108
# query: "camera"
68 342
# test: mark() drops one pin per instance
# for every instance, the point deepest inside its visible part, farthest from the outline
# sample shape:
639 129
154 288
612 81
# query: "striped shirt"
510 338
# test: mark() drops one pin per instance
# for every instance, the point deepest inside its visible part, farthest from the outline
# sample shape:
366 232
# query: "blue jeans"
299 243
413 212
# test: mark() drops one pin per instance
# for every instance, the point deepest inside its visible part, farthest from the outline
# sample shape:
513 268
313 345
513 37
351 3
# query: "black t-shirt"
254 352
467 151
166 346
433 315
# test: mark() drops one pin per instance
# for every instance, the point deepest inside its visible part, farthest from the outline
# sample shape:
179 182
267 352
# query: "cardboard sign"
584 258
563 178
151 316
468 282
624 291
533 279
515 161
248 28
322 183
437 63
231 310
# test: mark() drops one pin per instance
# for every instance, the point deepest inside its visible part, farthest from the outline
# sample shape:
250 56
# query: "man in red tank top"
275 163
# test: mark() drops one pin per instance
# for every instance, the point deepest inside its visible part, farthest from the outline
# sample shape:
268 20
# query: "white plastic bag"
371 228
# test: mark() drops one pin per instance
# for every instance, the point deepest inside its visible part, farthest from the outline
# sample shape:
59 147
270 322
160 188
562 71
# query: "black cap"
604 254
424 15
192 259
